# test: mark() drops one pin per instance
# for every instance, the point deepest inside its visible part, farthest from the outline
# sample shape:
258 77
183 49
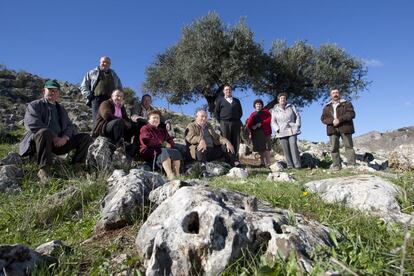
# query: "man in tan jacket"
204 143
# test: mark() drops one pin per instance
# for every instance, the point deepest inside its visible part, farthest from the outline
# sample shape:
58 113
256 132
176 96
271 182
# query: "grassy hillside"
34 216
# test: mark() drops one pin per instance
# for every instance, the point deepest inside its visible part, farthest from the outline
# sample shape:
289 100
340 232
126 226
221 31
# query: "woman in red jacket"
152 139
261 131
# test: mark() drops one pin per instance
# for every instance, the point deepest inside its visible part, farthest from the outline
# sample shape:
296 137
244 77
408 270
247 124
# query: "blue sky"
63 39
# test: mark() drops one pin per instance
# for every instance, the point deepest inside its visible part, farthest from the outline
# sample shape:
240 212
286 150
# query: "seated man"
112 122
49 130
204 143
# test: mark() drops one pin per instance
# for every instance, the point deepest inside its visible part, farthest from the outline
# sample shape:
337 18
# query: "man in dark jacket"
98 84
49 130
228 112
338 117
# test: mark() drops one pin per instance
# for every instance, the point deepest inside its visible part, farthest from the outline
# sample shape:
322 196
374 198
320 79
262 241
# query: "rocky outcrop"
382 143
167 190
280 177
19 260
238 173
127 195
200 231
402 157
104 156
214 168
53 248
12 158
370 194
10 178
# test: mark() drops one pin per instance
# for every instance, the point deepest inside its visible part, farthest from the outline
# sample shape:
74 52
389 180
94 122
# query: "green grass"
367 246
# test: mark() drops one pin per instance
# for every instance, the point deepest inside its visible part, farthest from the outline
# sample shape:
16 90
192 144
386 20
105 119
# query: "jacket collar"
278 107
340 101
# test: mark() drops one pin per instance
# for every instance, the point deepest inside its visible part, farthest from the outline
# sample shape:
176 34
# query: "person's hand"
230 147
202 146
335 122
60 141
134 118
168 146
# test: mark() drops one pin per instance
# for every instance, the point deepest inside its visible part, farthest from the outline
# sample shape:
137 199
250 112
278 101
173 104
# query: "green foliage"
208 55
307 74
130 97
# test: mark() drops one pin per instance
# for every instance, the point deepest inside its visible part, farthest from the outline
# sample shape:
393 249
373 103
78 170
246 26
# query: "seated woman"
169 128
152 138
260 129
112 122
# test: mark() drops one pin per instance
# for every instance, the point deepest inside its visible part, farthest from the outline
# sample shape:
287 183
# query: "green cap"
52 84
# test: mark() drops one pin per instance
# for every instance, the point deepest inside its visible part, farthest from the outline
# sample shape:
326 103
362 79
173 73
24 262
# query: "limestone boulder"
127 195
280 177
103 156
12 158
371 194
200 231
10 178
19 260
238 173
278 166
214 168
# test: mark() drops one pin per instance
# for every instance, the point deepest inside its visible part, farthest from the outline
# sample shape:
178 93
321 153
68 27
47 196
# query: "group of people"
145 134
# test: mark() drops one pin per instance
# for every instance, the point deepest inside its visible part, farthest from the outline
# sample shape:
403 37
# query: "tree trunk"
271 104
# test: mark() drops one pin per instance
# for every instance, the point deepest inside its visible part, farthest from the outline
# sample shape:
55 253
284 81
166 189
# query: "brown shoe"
44 176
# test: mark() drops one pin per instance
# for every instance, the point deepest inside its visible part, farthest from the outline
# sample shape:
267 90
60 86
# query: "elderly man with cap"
98 85
49 130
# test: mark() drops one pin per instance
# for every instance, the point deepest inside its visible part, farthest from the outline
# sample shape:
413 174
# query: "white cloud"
372 62
408 104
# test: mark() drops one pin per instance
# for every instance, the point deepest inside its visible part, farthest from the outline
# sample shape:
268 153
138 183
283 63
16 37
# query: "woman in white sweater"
286 124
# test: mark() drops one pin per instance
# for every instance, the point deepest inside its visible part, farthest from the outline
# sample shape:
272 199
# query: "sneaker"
236 164
44 176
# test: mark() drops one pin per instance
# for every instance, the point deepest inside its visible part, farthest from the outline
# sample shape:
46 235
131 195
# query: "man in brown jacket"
337 115
204 143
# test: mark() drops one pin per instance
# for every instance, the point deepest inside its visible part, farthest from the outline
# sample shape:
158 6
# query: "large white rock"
127 195
280 177
10 178
367 193
402 157
277 166
237 173
103 156
200 230
19 260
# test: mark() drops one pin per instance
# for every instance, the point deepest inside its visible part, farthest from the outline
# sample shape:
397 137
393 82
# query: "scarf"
118 111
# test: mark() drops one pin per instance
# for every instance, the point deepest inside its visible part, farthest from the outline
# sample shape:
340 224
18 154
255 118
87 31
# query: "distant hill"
375 141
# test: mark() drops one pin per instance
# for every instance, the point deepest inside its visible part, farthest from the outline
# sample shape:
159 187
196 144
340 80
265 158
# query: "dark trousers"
231 131
44 147
115 130
95 103
349 148
215 153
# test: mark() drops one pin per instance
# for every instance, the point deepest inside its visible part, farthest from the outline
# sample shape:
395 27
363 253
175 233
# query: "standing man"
49 130
98 85
228 112
338 117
